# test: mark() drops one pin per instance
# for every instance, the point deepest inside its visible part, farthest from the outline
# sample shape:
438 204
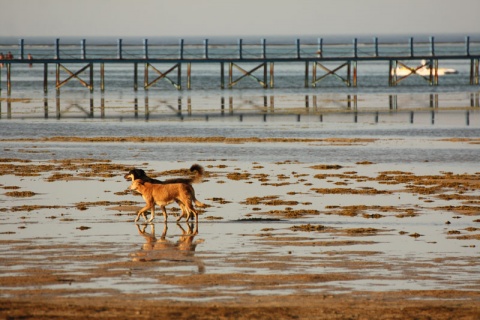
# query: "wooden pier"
316 58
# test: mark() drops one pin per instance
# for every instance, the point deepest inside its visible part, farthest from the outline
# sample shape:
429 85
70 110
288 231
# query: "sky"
211 18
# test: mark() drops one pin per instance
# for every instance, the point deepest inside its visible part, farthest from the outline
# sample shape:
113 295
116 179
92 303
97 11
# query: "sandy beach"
276 240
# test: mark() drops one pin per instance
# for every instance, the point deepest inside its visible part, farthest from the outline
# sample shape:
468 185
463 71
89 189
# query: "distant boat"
423 71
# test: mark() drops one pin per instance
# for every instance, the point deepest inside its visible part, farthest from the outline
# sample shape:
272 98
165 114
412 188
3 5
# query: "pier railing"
264 55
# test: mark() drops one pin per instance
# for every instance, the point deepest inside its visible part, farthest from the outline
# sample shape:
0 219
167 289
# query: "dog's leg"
184 213
195 213
189 215
184 210
142 212
164 213
153 214
190 209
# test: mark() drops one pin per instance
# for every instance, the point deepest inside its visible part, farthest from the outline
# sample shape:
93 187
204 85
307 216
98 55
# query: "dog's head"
135 174
137 183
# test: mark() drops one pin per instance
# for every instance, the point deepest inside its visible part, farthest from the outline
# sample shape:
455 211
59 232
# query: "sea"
189 100
364 130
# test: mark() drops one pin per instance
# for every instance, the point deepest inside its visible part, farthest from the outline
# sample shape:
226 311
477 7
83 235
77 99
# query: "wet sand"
279 240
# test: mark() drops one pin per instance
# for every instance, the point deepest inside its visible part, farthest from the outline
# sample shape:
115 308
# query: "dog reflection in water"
161 249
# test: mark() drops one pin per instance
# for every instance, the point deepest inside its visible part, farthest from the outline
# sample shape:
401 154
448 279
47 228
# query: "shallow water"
113 256
75 236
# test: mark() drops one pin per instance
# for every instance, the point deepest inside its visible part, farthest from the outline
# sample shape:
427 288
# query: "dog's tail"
198 169
198 203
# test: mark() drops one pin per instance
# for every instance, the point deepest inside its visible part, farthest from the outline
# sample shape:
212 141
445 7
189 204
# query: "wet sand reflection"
162 249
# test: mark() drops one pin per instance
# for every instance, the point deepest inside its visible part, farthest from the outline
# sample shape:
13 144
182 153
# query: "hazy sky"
182 18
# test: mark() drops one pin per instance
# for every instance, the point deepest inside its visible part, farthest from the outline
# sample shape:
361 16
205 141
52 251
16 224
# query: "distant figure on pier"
9 56
1 58
30 57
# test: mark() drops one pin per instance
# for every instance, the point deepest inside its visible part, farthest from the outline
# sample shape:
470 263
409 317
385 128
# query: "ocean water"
413 110
412 127
206 99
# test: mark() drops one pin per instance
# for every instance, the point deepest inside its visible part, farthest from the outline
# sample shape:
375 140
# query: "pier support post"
298 48
354 63
467 46
355 48
434 65
205 49
306 74
264 49
45 77
222 75
135 76
181 49
320 48
474 99
433 100
240 49
119 49
145 48
474 71
9 80
21 49
393 102
272 76
432 46
83 50
179 76
57 48
102 77
90 86
189 75
411 47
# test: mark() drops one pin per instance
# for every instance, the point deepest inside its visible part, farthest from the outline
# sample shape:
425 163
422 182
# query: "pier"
240 61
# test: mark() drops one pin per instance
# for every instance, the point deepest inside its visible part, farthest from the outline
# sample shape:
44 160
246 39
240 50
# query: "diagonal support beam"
163 75
432 78
333 72
413 71
75 75
246 73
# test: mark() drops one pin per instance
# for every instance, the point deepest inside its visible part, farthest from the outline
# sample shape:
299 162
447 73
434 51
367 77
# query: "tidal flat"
278 238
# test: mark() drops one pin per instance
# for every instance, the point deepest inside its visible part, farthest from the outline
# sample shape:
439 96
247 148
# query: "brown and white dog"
135 174
164 194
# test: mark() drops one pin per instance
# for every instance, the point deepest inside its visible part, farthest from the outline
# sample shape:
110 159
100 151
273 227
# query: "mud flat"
278 239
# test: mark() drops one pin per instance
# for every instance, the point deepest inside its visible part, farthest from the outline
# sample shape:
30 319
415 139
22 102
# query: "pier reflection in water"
237 107
158 248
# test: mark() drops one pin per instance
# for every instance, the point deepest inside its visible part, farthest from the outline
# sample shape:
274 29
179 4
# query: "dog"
164 194
135 174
